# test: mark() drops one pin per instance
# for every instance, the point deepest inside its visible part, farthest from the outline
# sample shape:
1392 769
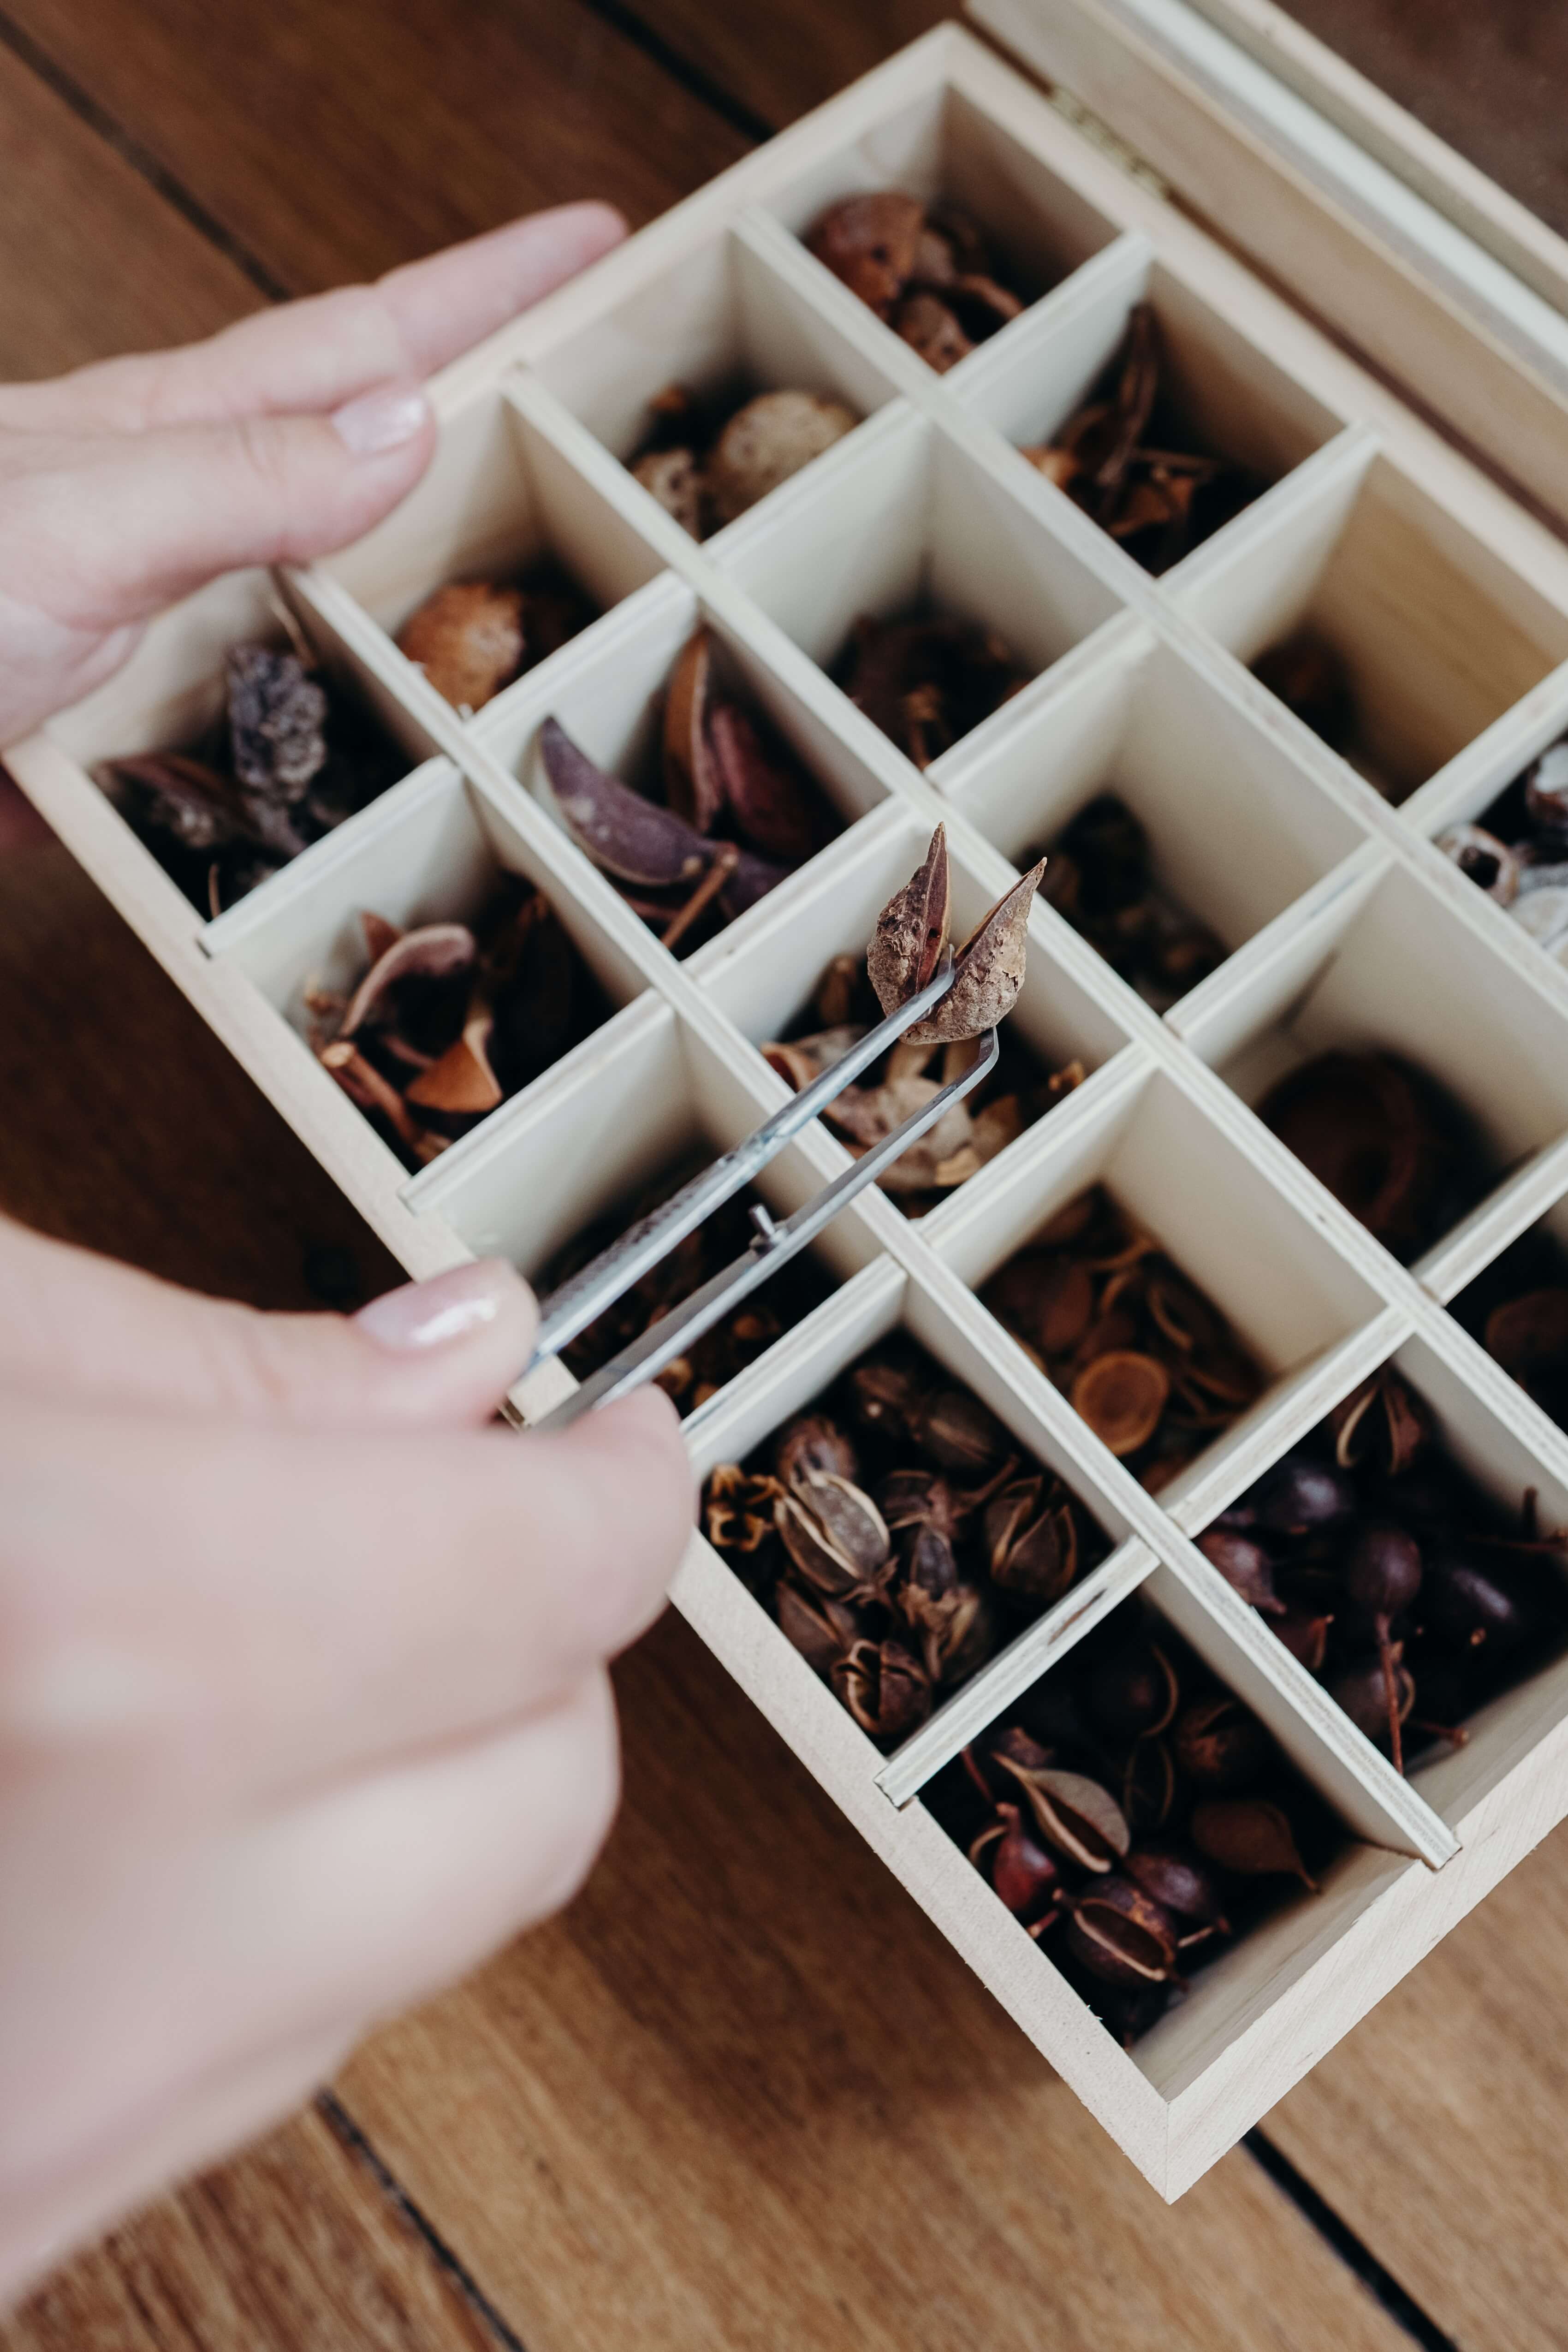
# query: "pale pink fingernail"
435 1314
381 420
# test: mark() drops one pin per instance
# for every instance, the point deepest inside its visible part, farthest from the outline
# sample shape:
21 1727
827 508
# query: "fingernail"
435 1314
381 420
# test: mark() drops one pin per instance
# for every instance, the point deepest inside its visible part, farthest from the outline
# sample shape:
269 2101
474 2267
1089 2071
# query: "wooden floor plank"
95 259
1438 2130
744 2095
334 140
294 2249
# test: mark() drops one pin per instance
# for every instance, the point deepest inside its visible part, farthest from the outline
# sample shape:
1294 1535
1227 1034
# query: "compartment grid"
913 1265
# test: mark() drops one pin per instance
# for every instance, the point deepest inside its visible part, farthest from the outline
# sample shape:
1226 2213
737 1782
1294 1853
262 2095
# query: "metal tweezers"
577 1303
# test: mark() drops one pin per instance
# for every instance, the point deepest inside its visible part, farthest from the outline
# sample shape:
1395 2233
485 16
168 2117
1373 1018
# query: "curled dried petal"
693 783
430 951
622 832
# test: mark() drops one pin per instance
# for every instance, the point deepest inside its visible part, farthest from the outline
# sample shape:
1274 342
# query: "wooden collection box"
1342 922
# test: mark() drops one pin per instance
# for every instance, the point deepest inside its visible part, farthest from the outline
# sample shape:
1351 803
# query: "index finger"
308 357
265 1610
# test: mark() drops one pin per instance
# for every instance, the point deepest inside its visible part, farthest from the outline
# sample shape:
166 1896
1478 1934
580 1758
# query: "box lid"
1357 211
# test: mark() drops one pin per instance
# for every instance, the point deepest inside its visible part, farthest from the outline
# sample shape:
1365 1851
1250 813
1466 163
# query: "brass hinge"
1100 134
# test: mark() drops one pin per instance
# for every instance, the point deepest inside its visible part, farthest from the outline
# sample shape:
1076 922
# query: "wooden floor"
742 2096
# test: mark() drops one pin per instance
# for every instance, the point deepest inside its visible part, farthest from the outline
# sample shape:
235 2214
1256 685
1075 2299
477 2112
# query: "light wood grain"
742 2096
334 141
297 2246
1439 2128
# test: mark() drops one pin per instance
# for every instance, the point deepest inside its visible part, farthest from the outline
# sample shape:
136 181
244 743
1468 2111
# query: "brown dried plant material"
1313 677
706 465
1123 457
1102 878
1389 1142
911 930
972 1132
449 1019
1150 1363
882 1544
927 679
1517 852
472 637
741 811
291 756
1137 1851
989 970
928 270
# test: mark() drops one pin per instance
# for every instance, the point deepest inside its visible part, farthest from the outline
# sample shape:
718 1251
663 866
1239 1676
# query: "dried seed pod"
954 1621
768 440
1121 1396
1031 1541
1149 1786
810 1445
885 1688
1122 1934
673 478
1220 1745
871 242
621 831
738 1508
1546 789
1133 1692
990 968
1249 1836
922 1498
962 1434
1245 1566
1075 1814
470 640
1046 1297
1361 1125
1484 860
911 930
890 1392
1180 1880
1382 1425
835 1534
694 783
800 1061
1023 1873
823 1630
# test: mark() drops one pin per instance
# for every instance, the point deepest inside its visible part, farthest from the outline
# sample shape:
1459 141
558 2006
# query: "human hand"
302 1696
130 483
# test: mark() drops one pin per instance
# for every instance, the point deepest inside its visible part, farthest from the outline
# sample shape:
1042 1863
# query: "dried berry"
1245 1566
1023 1873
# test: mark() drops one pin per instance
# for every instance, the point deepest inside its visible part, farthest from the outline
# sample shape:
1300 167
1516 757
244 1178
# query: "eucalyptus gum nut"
911 930
625 835
991 966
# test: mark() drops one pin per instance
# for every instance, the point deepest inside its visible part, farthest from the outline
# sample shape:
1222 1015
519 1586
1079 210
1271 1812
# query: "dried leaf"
911 930
990 970
625 835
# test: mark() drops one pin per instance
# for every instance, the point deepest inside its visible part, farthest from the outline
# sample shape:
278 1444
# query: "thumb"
441 1352
130 521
